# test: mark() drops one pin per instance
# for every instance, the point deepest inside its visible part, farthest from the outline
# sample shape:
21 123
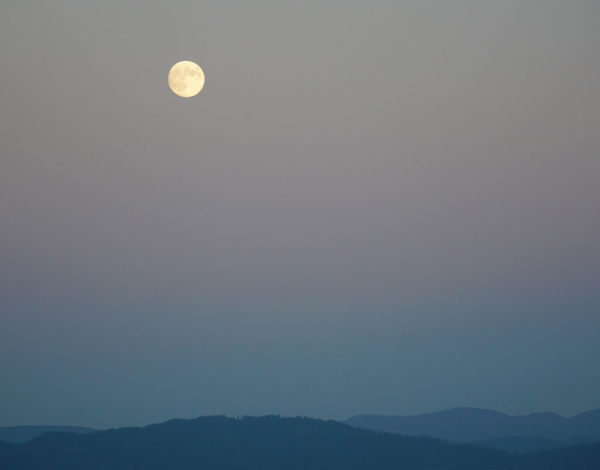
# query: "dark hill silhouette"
18 434
5 449
584 457
473 424
250 443
268 443
525 444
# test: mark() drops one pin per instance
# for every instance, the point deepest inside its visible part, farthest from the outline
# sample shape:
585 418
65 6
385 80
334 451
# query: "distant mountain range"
537 431
269 443
18 434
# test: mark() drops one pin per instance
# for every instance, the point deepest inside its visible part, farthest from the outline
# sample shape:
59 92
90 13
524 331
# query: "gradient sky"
373 207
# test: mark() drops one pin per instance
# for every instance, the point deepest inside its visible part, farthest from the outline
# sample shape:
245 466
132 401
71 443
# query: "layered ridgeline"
18 434
537 431
271 443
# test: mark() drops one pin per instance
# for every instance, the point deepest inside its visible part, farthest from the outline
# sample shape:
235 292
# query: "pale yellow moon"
186 79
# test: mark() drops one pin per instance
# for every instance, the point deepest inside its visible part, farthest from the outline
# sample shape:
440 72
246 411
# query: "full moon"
186 79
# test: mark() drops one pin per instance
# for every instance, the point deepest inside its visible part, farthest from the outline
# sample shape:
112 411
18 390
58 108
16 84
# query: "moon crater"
186 79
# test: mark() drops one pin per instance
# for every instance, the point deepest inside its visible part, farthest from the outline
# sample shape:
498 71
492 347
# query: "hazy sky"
373 207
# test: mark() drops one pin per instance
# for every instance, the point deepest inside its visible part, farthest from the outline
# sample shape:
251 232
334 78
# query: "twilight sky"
373 207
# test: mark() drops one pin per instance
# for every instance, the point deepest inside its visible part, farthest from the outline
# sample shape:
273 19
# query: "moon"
186 79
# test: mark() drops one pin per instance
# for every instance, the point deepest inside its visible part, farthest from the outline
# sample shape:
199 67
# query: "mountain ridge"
465 424
20 434
269 443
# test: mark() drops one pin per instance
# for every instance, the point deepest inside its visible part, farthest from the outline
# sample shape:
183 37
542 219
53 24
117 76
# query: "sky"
386 207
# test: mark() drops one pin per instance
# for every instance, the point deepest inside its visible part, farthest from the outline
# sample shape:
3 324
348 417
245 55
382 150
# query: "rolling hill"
473 424
270 442
18 434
